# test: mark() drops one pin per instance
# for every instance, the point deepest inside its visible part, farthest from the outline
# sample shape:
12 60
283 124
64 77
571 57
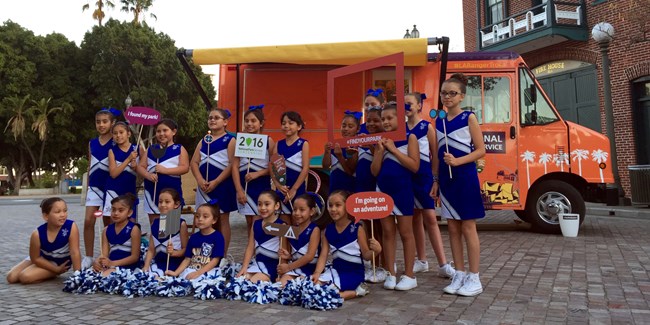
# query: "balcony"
546 24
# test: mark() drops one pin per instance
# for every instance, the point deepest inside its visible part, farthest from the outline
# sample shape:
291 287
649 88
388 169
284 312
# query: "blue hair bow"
374 92
227 112
356 115
114 111
423 96
407 107
213 202
254 107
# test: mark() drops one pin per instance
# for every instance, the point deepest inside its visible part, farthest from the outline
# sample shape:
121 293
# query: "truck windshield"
534 109
489 98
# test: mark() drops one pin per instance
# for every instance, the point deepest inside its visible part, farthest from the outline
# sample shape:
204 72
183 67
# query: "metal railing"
567 13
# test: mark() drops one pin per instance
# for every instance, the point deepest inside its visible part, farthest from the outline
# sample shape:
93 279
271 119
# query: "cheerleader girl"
122 163
97 176
212 167
53 246
205 248
252 171
349 246
422 183
394 164
365 181
121 239
460 192
296 154
159 249
372 98
302 259
340 162
164 172
261 256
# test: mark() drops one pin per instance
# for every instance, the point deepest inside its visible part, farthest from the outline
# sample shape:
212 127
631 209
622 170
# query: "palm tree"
41 110
98 13
137 8
560 159
528 157
19 110
545 158
600 157
580 154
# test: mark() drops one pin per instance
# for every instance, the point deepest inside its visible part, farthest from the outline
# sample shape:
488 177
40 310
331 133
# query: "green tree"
137 8
41 112
17 111
98 13
129 59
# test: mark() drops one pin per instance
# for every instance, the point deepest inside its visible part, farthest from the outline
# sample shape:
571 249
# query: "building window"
494 12
642 119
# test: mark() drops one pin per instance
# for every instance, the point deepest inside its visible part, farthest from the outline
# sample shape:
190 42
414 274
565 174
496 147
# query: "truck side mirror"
530 95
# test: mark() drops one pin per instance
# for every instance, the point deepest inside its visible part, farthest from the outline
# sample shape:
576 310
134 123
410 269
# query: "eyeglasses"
215 118
451 94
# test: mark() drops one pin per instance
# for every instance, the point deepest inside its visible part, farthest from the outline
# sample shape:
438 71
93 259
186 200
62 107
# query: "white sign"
251 145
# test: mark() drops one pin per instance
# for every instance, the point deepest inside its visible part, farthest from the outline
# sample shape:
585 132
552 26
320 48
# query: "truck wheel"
548 200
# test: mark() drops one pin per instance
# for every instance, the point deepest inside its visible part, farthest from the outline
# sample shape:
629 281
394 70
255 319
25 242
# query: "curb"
615 211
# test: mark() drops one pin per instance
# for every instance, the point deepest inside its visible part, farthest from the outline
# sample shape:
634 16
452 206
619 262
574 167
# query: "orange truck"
536 163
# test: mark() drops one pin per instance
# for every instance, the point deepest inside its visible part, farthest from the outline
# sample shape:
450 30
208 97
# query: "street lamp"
128 101
415 33
407 35
603 34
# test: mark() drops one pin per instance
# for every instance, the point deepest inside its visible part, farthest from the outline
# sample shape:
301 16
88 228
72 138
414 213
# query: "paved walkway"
600 277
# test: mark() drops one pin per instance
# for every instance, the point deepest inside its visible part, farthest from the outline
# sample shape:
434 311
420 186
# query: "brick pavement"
600 277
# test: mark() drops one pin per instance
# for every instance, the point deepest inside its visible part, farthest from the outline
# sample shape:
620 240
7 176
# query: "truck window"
489 98
535 110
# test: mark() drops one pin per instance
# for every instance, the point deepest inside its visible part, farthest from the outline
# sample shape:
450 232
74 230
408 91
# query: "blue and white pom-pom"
262 292
114 282
144 247
291 295
237 287
320 297
230 270
140 284
210 287
173 287
83 282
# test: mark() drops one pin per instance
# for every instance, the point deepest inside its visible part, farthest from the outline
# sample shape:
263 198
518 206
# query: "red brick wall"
628 62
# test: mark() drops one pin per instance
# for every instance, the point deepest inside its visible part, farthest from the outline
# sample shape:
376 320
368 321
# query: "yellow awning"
415 53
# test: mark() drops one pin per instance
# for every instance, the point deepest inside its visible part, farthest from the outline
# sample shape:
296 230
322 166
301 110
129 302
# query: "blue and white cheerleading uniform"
339 179
293 159
256 186
171 159
460 194
396 181
97 172
347 270
160 249
266 251
214 161
365 180
423 179
120 244
300 247
123 183
58 251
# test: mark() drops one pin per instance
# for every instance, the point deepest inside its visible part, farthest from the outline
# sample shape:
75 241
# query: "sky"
216 24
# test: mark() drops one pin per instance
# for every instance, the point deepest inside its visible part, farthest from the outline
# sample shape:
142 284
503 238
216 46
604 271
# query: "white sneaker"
446 271
406 283
362 290
391 281
86 262
471 287
226 260
420 266
457 282
379 275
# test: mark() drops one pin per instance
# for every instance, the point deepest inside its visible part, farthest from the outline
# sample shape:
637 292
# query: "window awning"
415 53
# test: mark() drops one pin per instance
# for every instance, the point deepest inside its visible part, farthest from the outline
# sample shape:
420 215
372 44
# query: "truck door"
489 96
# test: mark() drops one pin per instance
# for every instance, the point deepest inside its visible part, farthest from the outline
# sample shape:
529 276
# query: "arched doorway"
573 88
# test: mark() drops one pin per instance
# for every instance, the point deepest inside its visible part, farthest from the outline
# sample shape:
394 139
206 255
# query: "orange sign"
369 205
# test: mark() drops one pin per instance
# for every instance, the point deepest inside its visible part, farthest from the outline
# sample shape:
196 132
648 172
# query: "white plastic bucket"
569 224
